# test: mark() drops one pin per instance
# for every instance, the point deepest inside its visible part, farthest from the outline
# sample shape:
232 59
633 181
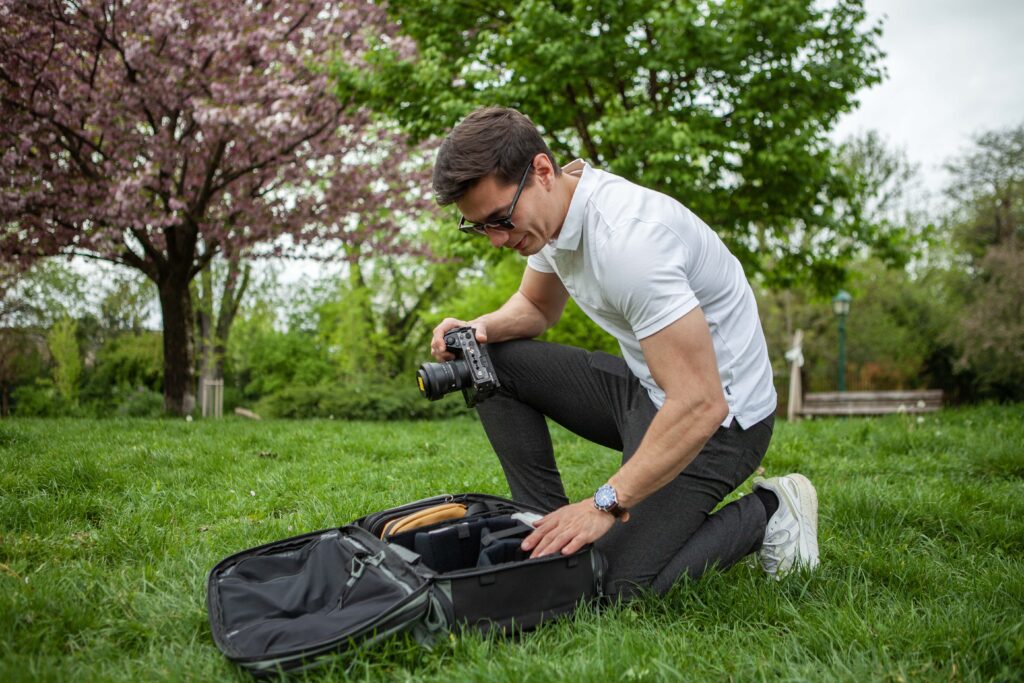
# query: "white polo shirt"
636 261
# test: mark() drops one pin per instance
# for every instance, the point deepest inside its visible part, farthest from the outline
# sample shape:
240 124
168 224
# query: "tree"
159 135
884 198
724 105
986 225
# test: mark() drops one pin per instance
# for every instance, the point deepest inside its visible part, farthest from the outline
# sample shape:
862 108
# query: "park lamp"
841 307
841 303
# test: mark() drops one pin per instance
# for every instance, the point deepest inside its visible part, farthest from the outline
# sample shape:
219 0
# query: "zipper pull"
355 570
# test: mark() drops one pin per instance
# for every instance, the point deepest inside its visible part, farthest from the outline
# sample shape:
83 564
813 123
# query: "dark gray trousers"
671 533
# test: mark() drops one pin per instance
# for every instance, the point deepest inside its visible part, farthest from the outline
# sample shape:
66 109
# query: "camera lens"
437 379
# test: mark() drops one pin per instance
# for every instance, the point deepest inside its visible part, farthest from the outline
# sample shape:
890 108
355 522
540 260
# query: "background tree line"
190 173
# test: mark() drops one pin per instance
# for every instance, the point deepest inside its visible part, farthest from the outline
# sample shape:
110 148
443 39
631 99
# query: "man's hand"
568 529
437 347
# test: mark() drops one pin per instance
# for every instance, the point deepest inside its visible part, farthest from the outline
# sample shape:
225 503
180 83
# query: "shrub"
140 402
41 399
362 399
128 360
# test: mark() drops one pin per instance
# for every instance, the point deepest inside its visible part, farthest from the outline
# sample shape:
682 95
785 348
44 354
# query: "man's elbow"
714 410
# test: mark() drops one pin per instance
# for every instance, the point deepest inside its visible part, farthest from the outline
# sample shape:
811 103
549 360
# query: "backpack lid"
281 603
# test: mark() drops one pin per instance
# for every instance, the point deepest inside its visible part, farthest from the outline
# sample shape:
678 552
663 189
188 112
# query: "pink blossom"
159 134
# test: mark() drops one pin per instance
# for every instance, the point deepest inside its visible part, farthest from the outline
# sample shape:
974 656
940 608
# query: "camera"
471 370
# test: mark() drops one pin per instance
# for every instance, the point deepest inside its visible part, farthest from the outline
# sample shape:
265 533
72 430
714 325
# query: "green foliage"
485 291
987 188
576 329
991 330
884 201
138 402
42 398
987 241
43 295
109 529
128 360
263 359
128 301
359 399
725 106
895 333
67 362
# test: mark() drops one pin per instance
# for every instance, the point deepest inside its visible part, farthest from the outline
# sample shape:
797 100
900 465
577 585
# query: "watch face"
604 498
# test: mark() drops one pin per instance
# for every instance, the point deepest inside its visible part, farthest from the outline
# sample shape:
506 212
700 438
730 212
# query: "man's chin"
525 246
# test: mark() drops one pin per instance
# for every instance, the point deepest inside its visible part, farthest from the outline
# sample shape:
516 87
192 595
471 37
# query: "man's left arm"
682 361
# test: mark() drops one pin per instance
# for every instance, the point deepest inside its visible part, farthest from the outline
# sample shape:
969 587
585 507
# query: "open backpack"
424 568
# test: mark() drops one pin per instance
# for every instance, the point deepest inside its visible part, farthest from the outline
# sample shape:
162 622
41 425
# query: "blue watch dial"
605 498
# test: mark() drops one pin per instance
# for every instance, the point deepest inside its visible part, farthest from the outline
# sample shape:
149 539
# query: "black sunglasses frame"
499 223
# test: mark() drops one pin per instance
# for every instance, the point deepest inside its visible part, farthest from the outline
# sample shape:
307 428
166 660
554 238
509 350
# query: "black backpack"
282 605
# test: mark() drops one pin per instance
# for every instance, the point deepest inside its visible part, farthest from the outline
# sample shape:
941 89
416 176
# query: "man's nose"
497 237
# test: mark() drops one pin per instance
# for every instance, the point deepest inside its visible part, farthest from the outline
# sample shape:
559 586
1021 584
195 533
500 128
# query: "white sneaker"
791 537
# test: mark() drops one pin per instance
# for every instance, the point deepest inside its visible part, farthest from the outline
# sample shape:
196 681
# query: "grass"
107 530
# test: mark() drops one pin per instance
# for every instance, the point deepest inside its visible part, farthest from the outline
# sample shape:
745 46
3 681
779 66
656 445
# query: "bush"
128 360
41 399
140 402
363 399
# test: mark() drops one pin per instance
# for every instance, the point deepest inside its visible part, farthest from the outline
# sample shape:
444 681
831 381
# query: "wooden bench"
869 402
851 402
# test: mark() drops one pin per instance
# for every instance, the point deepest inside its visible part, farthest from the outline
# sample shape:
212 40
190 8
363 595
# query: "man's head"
498 170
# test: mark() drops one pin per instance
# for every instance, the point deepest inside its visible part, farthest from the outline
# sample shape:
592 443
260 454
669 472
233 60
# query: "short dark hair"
491 140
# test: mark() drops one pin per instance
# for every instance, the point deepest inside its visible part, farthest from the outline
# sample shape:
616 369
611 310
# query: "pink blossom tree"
159 135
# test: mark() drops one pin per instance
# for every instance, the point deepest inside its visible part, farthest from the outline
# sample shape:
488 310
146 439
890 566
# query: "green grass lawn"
107 530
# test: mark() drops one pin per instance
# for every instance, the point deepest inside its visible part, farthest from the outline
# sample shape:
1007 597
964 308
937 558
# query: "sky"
955 69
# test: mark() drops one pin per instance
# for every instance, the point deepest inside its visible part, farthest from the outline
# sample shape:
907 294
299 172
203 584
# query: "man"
691 404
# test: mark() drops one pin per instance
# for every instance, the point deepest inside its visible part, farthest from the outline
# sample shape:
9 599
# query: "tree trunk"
214 330
176 307
204 318
235 285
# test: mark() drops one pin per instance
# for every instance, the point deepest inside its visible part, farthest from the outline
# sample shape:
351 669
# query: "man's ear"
544 170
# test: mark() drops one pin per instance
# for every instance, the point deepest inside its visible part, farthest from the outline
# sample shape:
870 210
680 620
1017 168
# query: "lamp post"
841 307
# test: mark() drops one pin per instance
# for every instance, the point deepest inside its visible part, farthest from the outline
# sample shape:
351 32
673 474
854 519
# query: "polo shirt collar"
572 227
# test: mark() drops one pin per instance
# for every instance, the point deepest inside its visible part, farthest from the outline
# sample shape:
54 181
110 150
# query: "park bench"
869 402
851 403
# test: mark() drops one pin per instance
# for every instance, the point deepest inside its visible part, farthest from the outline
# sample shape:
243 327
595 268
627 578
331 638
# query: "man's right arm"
536 306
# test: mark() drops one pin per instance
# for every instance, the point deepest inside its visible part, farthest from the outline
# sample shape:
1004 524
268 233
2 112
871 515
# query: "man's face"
489 200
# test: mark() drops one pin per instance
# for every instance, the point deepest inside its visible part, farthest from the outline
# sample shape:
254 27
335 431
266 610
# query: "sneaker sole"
809 517
806 507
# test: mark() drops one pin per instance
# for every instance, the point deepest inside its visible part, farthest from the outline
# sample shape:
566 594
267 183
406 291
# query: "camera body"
471 371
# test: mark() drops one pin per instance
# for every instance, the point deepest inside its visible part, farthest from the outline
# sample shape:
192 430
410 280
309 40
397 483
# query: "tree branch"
581 126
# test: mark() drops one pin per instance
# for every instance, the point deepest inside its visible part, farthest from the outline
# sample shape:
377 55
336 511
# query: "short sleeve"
540 262
644 273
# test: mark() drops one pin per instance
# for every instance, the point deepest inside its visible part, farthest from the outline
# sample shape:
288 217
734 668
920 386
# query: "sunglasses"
498 223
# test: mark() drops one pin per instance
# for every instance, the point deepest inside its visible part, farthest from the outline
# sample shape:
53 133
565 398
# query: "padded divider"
407 539
449 548
458 546
499 552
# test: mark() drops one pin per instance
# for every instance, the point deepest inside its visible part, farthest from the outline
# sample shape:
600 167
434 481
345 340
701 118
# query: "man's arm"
533 308
682 360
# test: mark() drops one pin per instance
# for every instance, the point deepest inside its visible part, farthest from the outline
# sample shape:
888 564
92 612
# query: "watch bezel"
613 507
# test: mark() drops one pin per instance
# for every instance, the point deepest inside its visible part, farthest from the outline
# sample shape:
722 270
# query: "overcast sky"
956 68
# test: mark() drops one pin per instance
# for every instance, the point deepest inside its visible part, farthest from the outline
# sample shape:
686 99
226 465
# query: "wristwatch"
606 500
